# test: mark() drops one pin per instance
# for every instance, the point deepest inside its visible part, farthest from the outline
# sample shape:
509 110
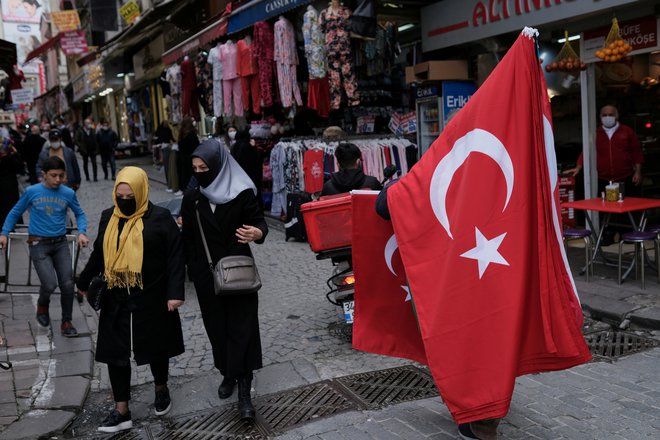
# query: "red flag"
384 321
476 224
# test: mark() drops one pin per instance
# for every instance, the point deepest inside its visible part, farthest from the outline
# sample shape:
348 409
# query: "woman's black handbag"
234 274
95 292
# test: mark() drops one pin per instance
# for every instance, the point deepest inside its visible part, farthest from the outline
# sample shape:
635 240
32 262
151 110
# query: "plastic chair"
584 234
638 239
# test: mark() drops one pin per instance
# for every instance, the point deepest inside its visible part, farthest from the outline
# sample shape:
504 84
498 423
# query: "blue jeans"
52 261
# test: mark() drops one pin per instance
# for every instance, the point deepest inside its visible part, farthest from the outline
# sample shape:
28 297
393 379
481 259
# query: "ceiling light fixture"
571 38
406 27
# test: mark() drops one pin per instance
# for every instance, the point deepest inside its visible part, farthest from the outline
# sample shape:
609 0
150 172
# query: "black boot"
245 407
226 388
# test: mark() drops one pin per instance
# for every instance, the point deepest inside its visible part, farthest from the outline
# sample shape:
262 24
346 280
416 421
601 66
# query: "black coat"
187 146
156 332
231 322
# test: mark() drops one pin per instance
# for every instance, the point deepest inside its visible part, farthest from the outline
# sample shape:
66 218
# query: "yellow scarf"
123 265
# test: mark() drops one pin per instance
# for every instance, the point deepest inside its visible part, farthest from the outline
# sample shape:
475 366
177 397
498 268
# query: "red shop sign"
73 43
640 33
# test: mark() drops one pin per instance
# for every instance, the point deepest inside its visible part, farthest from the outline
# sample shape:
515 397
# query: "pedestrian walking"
32 146
139 252
230 216
54 147
188 141
65 133
164 139
48 203
11 164
86 142
107 141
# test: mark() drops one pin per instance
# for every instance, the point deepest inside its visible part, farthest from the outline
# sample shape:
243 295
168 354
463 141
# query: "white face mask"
231 134
608 121
55 145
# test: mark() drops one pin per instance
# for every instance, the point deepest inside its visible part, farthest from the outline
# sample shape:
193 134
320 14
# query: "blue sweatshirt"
48 209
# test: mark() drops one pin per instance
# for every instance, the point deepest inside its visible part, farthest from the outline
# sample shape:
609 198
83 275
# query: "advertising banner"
23 11
455 94
26 36
22 96
73 43
130 11
66 20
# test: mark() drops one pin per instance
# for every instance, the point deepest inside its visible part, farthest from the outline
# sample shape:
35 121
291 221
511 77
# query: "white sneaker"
178 193
116 422
169 190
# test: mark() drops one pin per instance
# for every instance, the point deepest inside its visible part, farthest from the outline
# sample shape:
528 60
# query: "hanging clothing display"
363 21
264 50
292 163
173 77
313 170
334 23
248 71
204 83
231 83
314 44
216 65
189 94
286 59
318 96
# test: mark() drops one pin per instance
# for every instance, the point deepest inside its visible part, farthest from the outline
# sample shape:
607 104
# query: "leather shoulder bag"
234 274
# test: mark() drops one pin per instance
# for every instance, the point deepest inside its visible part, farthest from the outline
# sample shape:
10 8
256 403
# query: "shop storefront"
483 30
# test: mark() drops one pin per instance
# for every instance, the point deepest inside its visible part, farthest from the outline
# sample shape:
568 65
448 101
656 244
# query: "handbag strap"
201 232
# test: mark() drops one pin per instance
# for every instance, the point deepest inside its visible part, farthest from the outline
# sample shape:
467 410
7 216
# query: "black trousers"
86 159
120 378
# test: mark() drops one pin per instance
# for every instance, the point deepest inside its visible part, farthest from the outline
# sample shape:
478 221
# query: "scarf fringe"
123 280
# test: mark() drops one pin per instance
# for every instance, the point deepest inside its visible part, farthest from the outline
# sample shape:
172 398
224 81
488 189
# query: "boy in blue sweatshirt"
48 202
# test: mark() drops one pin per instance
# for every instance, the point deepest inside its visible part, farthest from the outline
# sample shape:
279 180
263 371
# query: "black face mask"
205 178
127 206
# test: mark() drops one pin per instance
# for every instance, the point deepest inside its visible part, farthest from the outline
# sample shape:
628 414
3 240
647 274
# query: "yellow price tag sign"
130 11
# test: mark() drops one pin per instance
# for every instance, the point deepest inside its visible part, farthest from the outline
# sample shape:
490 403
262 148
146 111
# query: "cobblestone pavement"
601 400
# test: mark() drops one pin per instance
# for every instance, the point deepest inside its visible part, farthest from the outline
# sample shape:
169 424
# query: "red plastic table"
626 206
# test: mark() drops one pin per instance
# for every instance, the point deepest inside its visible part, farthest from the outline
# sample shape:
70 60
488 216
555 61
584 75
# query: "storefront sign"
455 94
130 11
640 33
426 92
453 22
73 43
147 59
7 117
22 96
262 10
66 20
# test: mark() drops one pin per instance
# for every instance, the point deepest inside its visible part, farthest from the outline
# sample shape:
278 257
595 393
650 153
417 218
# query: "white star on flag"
486 251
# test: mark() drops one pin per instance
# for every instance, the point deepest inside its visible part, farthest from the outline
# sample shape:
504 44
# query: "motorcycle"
341 283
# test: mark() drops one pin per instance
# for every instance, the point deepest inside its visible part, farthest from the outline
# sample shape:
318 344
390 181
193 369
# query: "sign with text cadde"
261 11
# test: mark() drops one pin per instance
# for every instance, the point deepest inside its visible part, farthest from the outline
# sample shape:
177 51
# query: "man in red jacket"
618 153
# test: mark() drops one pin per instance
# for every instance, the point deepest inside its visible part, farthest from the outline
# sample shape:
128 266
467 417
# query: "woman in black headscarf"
231 219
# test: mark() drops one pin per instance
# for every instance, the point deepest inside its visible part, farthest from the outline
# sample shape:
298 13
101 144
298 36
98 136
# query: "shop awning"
43 48
205 36
7 55
259 10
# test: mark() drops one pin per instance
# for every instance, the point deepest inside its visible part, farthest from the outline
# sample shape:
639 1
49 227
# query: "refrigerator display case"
435 105
429 121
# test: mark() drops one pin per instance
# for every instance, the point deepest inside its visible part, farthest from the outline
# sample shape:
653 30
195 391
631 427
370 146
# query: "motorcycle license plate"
348 311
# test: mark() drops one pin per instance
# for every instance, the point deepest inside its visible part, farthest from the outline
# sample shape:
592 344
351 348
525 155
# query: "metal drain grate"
609 344
294 407
388 387
223 424
341 330
126 435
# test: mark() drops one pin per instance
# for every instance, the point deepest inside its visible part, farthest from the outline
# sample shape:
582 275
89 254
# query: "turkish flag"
478 230
384 321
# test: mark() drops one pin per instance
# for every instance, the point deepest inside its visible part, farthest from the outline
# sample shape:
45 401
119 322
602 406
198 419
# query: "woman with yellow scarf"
139 253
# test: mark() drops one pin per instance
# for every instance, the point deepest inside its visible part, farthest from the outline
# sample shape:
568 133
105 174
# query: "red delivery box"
329 222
